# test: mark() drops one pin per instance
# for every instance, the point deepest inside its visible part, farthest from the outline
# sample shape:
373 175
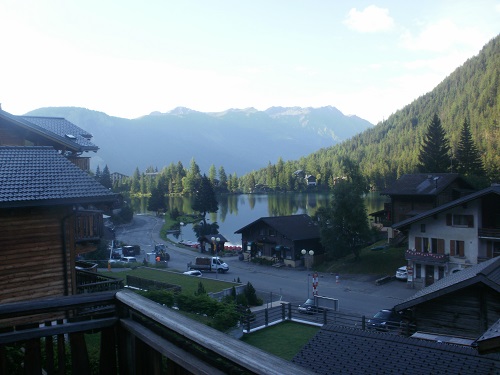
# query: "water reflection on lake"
237 211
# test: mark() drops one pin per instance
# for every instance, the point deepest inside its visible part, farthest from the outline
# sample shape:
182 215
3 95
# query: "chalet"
50 211
344 350
452 236
56 132
457 321
281 238
310 180
415 193
465 304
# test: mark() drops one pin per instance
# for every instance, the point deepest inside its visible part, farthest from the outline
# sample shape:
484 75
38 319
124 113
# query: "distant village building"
117 177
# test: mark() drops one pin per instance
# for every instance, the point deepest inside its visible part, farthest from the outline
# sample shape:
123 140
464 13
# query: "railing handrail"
54 304
236 351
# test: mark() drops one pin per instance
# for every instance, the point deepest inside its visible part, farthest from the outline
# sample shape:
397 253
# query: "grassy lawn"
283 340
380 262
189 284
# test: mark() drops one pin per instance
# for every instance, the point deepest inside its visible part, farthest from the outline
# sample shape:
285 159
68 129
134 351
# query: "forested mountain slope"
391 148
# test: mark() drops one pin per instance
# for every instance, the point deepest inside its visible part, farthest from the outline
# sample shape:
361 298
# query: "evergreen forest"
470 95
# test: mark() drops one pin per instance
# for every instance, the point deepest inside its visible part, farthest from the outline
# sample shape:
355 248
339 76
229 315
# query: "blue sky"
130 58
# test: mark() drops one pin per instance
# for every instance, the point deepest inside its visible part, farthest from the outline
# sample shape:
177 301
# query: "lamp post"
216 241
181 224
307 260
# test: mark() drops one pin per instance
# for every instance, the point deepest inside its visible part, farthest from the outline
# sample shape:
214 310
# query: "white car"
129 260
193 273
402 273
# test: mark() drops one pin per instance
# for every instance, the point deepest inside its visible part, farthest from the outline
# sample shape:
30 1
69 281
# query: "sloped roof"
487 273
36 176
342 350
57 129
424 184
295 227
489 342
457 202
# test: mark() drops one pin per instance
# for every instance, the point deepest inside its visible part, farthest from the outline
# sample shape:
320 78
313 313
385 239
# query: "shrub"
160 296
225 317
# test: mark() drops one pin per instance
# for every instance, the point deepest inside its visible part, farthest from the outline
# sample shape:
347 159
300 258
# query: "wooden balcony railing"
89 226
425 257
136 336
493 233
92 282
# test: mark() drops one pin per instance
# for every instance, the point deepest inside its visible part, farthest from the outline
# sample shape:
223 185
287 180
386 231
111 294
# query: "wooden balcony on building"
89 226
489 233
426 257
134 336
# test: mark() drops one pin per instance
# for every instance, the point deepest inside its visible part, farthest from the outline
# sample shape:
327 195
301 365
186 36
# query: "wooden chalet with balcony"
281 239
453 236
50 211
412 194
64 136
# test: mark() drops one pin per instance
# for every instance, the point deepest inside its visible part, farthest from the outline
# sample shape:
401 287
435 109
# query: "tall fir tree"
105 178
204 198
468 159
434 154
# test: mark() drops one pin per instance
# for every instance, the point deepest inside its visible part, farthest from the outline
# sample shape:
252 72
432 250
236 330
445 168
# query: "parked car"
309 307
385 320
193 273
402 273
129 260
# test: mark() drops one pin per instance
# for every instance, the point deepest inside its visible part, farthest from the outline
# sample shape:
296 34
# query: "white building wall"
435 227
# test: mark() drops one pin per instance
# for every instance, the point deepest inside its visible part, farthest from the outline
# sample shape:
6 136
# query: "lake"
237 211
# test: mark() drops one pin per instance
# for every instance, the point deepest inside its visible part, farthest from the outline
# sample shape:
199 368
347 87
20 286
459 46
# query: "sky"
131 58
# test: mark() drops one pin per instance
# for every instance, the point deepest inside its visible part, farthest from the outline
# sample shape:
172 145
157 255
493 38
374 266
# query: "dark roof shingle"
342 350
487 272
33 176
295 227
423 184
56 129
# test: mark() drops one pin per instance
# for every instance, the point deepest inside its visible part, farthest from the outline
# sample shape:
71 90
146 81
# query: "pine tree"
204 198
434 153
105 178
469 161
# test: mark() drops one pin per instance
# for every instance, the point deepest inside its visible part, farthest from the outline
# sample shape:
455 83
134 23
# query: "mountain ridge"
240 140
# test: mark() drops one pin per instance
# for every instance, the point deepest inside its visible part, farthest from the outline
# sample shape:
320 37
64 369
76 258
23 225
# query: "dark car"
385 320
309 307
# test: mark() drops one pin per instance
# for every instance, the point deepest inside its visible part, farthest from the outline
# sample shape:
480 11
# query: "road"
357 294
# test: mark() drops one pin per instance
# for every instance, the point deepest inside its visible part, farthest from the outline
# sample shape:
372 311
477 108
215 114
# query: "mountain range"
240 140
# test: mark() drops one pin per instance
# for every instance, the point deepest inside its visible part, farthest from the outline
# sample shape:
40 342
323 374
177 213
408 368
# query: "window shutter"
418 243
452 247
440 243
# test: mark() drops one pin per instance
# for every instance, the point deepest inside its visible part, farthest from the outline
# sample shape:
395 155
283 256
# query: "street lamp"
306 260
216 241
304 252
181 224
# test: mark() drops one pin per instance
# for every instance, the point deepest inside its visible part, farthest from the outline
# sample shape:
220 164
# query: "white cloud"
370 20
442 36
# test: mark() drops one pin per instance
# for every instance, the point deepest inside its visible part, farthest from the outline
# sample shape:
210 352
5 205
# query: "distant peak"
181 111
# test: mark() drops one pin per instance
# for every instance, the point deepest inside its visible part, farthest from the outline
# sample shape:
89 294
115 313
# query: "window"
422 228
456 220
418 271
